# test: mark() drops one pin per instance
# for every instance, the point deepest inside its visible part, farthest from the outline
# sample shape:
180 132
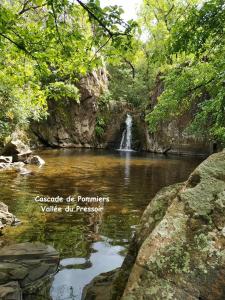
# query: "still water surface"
89 243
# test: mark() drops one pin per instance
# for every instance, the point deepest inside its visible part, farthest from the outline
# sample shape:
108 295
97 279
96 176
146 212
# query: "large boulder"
17 150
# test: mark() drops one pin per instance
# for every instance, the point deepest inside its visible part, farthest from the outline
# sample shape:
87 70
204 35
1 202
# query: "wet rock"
4 165
27 263
17 166
10 291
18 150
35 160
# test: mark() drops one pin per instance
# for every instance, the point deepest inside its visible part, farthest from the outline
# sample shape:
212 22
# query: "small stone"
35 160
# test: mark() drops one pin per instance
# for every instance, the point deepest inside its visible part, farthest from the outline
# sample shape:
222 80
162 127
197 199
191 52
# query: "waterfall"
125 144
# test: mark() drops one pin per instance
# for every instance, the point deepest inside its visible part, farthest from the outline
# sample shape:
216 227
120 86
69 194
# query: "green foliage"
47 46
127 80
191 60
60 90
100 126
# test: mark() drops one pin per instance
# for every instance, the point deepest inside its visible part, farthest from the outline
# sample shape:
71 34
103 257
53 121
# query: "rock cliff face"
70 124
178 251
171 136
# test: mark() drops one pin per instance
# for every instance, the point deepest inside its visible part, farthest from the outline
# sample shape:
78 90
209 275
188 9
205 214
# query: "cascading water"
125 144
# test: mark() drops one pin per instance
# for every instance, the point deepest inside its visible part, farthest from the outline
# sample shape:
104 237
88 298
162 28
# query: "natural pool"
89 243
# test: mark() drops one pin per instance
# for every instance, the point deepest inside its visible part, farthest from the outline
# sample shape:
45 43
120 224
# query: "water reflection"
126 156
75 273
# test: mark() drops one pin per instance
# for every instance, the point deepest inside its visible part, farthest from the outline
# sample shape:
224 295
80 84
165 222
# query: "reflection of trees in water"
72 234
94 221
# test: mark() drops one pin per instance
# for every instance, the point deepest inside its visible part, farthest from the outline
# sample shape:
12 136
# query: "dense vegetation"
46 46
188 49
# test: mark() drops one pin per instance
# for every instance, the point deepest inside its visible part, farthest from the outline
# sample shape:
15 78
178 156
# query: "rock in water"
6 218
35 160
18 150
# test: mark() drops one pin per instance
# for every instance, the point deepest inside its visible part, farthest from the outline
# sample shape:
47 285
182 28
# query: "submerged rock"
178 251
100 288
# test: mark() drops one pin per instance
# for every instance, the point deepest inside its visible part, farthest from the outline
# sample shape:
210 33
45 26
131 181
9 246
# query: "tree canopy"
46 46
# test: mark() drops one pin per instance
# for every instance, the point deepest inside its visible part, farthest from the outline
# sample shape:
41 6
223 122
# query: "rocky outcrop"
178 251
17 150
171 137
20 154
25 268
72 124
